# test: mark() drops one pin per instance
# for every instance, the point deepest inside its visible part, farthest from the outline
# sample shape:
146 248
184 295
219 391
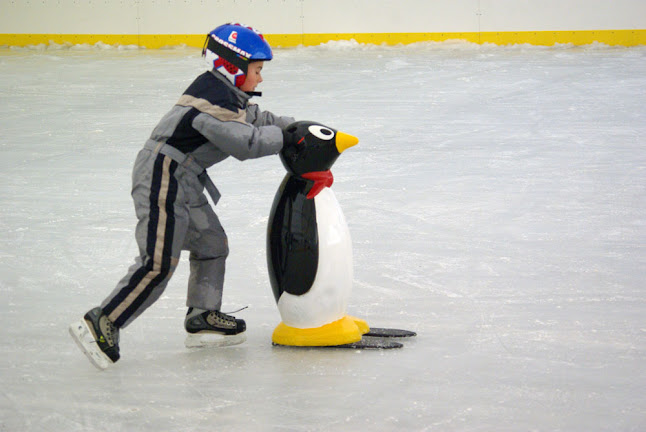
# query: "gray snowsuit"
211 121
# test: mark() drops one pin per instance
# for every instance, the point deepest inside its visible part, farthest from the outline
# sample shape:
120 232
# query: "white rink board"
315 16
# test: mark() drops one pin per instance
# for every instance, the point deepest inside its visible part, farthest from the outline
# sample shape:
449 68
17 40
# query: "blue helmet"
231 47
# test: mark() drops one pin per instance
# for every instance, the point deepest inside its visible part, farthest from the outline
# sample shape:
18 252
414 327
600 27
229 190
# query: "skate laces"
222 316
220 320
237 310
110 330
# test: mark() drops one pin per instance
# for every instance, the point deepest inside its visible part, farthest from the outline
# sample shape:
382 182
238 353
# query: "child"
211 121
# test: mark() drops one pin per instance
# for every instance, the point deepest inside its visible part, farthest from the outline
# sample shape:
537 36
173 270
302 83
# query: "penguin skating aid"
309 252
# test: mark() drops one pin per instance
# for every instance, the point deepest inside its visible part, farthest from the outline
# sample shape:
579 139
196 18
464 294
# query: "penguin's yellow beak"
345 141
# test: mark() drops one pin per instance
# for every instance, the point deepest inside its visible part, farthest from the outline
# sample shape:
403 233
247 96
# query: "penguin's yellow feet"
340 332
362 324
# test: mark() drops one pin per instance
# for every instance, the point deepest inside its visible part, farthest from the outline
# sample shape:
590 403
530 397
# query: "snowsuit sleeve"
232 134
262 118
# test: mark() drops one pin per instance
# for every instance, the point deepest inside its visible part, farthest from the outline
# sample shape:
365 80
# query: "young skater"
212 120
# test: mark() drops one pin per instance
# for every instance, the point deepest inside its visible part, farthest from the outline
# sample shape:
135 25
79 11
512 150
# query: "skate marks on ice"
519 221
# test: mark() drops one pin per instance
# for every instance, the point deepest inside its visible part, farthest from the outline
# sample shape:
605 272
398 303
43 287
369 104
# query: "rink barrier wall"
288 23
154 41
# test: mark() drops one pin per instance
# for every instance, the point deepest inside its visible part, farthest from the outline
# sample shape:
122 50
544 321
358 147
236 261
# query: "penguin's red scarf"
321 179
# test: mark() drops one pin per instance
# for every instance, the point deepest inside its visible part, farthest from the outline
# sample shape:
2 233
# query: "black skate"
213 328
97 337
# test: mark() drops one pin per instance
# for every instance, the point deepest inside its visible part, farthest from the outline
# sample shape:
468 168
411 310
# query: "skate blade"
86 342
199 340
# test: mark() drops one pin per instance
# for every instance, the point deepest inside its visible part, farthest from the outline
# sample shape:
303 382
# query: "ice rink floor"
497 205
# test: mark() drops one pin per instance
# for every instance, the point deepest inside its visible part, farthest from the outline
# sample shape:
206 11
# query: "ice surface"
497 203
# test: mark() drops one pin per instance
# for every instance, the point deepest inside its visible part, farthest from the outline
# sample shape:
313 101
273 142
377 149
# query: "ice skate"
213 329
97 337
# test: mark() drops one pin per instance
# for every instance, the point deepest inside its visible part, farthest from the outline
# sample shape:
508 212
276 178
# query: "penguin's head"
309 146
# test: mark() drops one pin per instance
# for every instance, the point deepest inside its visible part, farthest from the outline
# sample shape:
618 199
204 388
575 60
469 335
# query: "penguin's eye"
321 132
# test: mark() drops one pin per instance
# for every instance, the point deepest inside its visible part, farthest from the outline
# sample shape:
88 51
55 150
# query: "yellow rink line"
576 37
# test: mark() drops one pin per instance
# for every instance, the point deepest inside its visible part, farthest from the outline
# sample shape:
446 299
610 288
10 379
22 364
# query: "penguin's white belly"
327 299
